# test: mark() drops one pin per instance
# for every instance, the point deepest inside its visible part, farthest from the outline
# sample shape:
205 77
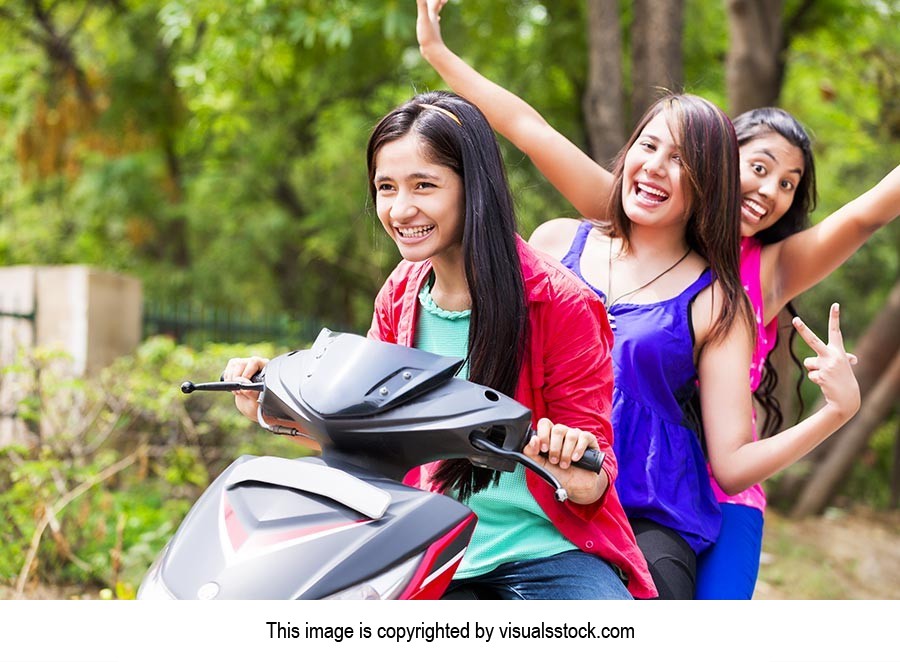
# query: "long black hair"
456 135
749 126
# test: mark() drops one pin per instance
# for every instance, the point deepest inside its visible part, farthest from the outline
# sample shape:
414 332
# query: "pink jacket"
567 377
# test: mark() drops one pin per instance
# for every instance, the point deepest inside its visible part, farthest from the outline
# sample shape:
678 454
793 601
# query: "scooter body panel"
235 535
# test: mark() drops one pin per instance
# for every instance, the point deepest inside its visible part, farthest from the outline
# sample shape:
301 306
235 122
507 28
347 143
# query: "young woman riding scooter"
469 286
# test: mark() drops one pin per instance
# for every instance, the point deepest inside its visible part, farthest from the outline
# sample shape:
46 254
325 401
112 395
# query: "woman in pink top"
779 259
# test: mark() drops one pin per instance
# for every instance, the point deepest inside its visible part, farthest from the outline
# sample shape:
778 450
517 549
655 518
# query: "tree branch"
52 511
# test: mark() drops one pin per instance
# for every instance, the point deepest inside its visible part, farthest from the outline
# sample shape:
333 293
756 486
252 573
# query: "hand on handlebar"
564 445
243 370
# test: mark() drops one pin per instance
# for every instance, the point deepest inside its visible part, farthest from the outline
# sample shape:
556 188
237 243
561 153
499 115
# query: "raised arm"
582 181
794 265
736 463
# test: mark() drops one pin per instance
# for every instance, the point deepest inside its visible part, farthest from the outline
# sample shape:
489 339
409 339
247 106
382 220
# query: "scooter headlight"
385 586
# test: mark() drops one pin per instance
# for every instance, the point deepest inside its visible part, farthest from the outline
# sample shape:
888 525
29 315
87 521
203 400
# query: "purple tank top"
662 468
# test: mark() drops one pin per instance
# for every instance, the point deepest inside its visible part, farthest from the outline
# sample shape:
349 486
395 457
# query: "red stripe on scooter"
237 535
283 536
436 587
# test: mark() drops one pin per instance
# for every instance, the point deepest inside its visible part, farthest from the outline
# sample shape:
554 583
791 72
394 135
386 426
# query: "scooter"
343 525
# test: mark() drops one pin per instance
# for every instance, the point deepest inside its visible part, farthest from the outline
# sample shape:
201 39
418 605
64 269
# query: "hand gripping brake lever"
592 460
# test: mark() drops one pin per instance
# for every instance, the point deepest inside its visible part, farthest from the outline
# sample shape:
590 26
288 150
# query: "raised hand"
830 369
428 22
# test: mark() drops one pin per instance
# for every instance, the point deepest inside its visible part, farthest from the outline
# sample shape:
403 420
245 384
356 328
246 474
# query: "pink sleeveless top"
751 249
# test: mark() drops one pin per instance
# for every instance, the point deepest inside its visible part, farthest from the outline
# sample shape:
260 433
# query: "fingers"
815 343
812 362
237 369
243 370
432 8
835 337
562 444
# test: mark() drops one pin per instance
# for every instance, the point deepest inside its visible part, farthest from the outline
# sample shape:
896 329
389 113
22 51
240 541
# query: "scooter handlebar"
256 384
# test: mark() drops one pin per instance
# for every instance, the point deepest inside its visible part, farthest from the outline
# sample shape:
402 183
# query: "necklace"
612 318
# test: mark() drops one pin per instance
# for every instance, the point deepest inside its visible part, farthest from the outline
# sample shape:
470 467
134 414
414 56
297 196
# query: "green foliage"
167 448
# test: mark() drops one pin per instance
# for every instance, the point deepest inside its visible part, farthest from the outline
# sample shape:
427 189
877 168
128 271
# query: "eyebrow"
412 175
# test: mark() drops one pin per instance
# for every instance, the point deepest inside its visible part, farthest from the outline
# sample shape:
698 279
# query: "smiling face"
654 190
771 169
421 204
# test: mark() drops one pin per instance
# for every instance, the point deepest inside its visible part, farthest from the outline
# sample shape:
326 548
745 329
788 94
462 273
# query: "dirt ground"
840 556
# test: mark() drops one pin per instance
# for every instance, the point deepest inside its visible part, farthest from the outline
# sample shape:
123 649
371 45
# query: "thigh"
672 562
572 575
728 570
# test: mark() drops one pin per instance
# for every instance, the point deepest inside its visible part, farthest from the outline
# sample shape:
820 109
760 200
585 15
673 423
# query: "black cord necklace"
612 318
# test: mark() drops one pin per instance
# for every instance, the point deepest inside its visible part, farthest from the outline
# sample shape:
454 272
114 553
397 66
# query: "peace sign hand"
831 368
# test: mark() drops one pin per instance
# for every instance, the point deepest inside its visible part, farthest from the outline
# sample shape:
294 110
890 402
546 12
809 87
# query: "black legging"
672 562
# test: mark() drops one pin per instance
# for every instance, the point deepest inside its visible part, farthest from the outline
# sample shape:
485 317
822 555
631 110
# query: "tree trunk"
879 344
604 100
824 482
657 64
754 68
895 474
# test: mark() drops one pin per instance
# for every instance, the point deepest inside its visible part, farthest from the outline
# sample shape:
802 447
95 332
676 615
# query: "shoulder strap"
702 282
573 256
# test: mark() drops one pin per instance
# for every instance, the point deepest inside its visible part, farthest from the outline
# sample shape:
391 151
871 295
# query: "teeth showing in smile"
754 208
651 192
416 232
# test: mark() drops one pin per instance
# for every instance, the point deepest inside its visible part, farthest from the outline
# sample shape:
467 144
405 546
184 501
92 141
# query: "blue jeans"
572 575
728 569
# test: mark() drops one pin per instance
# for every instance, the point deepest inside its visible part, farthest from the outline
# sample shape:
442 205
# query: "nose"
768 187
402 207
654 164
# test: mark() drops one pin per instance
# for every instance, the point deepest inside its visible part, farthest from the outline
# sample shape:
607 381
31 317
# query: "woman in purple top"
676 198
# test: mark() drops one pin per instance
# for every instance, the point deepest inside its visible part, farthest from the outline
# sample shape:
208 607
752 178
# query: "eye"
787 185
647 145
384 187
422 185
758 168
677 159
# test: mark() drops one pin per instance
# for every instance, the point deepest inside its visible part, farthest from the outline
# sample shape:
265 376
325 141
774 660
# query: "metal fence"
196 325
17 329
16 316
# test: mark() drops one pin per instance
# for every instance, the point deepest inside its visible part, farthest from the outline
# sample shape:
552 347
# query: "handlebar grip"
592 460
256 379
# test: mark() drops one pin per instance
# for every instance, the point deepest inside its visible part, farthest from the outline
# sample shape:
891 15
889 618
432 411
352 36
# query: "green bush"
117 459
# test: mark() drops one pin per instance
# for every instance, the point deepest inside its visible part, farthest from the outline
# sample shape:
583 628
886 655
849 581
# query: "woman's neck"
657 242
450 290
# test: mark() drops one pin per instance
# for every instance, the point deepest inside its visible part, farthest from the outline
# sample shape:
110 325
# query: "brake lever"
484 445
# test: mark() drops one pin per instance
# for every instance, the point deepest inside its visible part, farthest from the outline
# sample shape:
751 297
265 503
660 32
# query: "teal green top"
511 525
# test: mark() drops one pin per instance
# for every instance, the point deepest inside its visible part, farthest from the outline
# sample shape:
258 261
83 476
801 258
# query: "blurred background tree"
216 149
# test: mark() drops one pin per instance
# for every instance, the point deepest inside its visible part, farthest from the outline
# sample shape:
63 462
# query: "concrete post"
92 315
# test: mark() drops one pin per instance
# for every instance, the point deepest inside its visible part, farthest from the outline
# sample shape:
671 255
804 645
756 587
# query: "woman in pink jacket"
469 286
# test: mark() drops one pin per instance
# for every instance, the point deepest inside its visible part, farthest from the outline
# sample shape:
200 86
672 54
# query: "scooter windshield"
348 375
